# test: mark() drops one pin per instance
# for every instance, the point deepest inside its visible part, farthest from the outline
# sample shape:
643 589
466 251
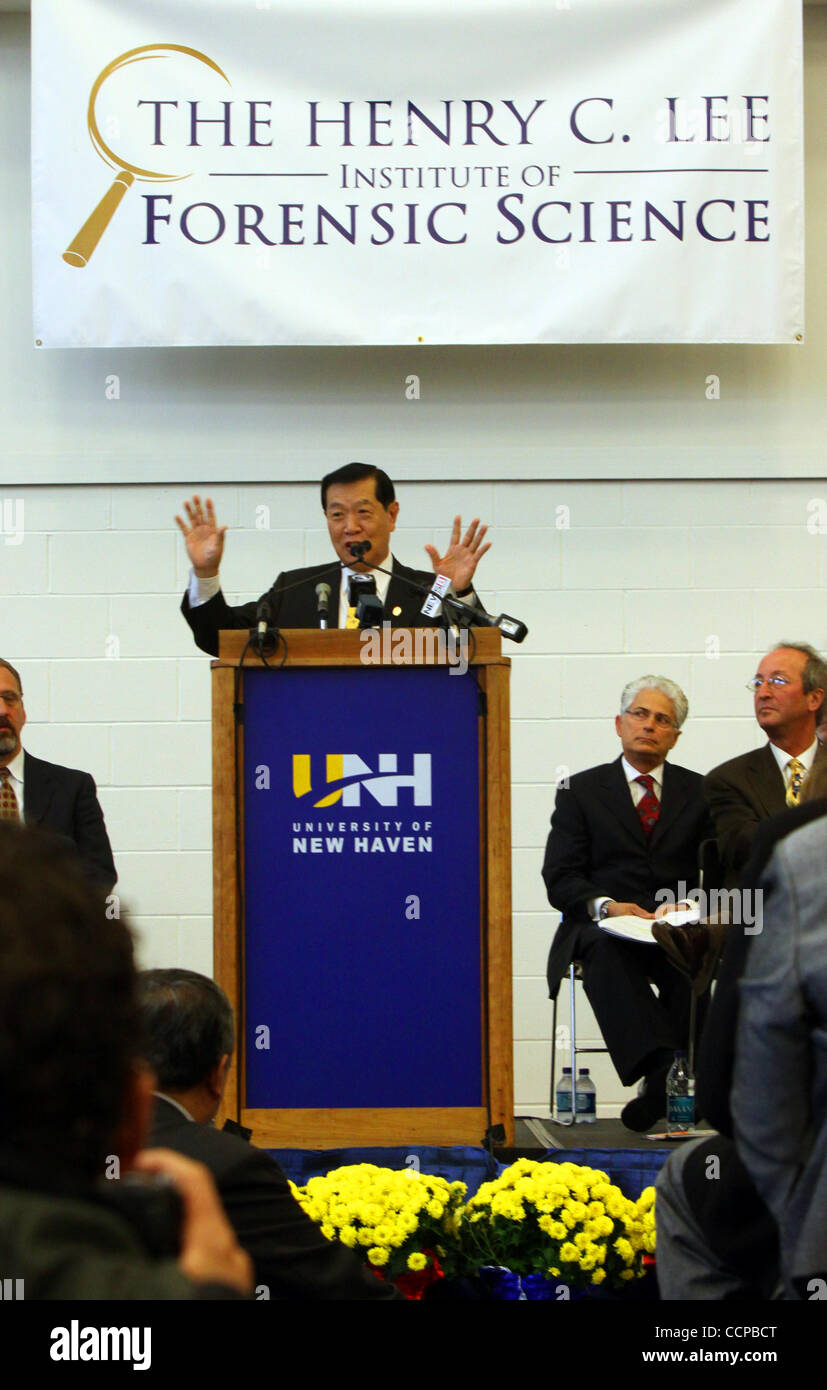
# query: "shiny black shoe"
640 1114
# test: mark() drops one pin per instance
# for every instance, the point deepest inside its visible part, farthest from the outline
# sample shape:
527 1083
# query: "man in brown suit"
788 689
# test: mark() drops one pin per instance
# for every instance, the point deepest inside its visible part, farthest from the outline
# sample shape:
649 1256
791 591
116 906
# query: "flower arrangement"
401 1223
564 1221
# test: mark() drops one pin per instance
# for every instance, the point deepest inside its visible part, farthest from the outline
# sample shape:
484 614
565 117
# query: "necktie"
648 808
352 620
797 774
9 809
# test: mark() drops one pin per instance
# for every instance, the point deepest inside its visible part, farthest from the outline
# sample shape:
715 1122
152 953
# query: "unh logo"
353 774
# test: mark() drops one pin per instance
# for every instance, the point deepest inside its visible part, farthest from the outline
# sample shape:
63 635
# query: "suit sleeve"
217 615
735 820
89 834
771 1091
567 863
291 1256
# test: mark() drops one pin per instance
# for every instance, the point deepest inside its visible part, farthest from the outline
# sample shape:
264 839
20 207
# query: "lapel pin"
397 610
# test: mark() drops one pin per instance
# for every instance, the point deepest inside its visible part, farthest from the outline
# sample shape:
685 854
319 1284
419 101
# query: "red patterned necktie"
9 809
648 808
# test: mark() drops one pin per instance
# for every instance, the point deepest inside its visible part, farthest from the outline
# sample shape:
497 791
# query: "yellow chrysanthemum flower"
417 1260
378 1256
598 1276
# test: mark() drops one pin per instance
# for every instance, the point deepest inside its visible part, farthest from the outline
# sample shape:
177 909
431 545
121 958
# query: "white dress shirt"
637 793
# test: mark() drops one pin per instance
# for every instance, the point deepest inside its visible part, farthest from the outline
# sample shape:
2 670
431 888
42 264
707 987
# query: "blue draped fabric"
458 1164
631 1169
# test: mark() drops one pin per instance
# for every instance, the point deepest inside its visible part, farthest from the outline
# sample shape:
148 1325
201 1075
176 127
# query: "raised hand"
204 538
462 556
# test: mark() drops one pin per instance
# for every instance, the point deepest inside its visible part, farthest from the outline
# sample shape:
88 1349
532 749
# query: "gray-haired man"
621 834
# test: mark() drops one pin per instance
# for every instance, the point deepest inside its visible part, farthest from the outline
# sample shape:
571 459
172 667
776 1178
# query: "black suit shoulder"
290 1254
588 781
65 800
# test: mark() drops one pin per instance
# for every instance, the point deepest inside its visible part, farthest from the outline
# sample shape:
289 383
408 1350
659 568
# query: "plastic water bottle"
562 1096
585 1098
680 1094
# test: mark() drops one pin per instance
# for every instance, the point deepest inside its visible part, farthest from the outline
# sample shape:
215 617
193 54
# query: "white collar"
161 1095
632 773
15 767
806 758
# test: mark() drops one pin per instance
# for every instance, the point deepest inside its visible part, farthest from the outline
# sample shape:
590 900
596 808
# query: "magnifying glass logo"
79 252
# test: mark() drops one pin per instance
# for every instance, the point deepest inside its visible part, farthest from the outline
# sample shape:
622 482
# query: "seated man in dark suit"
189 1038
74 1101
624 840
716 1238
40 793
360 508
788 690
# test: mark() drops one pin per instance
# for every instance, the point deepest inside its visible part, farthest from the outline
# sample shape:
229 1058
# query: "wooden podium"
307 904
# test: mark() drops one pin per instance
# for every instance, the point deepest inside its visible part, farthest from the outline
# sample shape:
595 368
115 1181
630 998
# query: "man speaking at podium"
360 507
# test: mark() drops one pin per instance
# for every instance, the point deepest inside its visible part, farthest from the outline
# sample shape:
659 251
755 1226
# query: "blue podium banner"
362 943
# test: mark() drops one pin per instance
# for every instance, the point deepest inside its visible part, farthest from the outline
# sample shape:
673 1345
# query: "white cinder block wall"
693 581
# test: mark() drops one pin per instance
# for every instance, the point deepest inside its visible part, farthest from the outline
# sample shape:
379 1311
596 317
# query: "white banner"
401 171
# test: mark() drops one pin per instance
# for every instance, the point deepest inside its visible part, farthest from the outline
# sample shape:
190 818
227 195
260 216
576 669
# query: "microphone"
511 627
262 635
264 618
359 549
322 600
362 595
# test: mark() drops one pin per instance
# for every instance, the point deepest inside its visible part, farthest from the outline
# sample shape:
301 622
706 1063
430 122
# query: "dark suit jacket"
736 1222
741 793
65 801
290 1254
597 848
294 604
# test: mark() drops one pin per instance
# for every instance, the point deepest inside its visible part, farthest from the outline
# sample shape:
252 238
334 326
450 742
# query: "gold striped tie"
797 775
9 809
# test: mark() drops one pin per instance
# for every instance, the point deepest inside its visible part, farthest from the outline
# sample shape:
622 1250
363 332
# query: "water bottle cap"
584 1071
567 1071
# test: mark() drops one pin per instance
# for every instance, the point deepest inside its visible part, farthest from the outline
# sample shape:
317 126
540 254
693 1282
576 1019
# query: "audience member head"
788 689
188 1037
652 710
72 1089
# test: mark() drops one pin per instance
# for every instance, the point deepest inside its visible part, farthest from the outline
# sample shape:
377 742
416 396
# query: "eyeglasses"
641 715
757 681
